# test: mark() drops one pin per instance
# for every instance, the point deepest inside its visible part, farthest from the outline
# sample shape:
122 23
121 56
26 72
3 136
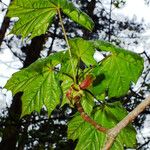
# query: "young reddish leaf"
69 93
87 82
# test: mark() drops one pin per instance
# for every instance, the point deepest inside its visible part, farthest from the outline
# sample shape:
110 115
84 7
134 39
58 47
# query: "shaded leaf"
75 127
66 84
69 66
119 70
77 15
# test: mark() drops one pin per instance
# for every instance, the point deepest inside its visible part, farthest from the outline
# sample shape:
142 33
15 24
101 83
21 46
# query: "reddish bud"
69 93
86 83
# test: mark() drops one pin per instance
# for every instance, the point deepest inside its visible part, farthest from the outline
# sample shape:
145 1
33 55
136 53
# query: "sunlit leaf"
90 138
83 50
87 102
35 15
39 84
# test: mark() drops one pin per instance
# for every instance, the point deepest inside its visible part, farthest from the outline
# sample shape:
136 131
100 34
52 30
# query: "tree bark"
33 50
90 11
113 132
11 131
4 27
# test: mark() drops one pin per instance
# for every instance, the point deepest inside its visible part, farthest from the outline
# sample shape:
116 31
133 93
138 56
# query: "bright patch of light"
98 56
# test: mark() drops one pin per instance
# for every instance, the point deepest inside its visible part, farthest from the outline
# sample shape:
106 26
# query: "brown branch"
112 133
109 25
4 26
87 118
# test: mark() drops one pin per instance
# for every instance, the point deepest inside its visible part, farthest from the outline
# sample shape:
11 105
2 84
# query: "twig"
112 133
87 118
110 13
140 147
148 58
67 42
4 3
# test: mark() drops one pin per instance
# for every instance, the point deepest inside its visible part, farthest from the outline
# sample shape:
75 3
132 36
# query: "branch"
109 27
4 25
3 28
140 147
113 132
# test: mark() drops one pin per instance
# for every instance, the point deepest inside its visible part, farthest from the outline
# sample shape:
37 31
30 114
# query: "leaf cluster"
46 81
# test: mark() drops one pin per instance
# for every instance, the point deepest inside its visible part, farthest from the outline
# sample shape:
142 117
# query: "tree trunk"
11 131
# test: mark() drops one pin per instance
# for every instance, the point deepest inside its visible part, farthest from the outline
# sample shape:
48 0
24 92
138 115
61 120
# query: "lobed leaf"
75 127
39 84
119 70
35 15
77 15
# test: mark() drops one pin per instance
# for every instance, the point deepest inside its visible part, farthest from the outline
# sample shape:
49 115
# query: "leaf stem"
67 42
88 119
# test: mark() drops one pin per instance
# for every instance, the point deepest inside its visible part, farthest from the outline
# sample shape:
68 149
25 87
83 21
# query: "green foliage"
119 69
39 83
83 50
91 139
47 80
87 103
35 16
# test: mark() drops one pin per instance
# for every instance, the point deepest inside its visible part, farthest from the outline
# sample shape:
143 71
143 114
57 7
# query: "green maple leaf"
83 50
39 84
35 16
90 138
119 70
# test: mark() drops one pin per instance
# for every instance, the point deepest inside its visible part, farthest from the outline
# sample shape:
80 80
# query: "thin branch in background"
4 26
140 147
113 133
103 7
148 58
4 3
109 27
